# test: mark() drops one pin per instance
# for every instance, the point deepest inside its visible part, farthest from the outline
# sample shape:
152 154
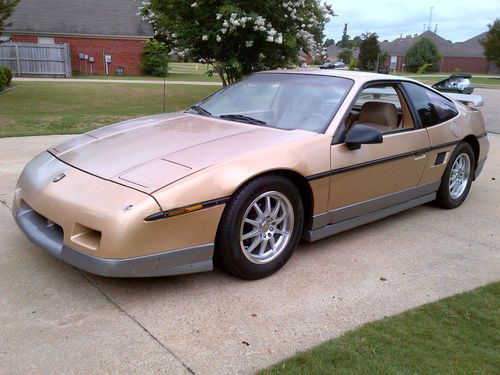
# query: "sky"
457 20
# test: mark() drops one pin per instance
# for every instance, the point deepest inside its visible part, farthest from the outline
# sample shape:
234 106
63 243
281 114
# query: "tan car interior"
382 115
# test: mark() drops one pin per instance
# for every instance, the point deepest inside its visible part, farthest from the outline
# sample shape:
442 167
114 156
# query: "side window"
432 108
385 94
381 107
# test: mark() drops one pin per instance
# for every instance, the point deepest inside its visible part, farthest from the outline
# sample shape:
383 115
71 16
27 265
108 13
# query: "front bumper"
99 226
49 236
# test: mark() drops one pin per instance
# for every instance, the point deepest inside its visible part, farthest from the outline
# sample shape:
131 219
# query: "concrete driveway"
491 109
57 319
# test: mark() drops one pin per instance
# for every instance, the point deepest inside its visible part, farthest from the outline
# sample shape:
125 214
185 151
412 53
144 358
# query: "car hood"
151 152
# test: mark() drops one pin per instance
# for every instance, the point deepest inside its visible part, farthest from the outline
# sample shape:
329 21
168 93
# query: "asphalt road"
56 319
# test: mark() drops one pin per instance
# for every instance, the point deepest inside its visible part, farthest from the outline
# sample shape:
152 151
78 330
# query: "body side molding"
341 226
378 161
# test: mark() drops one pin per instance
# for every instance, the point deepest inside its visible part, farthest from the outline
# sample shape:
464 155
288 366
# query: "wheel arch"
300 183
474 143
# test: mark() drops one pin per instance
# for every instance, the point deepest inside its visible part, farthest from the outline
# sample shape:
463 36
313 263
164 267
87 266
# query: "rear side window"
432 108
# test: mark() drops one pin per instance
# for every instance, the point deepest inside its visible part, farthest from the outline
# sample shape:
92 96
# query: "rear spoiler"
470 100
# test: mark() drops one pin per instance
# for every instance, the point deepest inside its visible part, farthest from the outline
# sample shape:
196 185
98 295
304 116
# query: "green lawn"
483 81
188 76
476 81
37 108
457 335
177 72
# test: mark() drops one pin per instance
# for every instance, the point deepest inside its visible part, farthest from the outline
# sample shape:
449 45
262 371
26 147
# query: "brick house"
461 56
333 52
95 30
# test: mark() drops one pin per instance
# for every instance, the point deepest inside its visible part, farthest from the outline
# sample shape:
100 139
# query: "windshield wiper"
243 118
200 110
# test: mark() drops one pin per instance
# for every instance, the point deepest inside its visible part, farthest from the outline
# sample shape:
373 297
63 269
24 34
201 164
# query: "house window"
46 40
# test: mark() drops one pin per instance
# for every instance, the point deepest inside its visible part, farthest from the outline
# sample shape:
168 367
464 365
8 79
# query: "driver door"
377 176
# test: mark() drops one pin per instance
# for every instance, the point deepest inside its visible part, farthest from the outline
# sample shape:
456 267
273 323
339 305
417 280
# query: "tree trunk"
220 71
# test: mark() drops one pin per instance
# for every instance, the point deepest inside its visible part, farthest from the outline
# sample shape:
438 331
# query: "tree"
6 10
345 55
424 51
238 37
154 59
345 42
356 42
368 51
383 60
329 42
491 43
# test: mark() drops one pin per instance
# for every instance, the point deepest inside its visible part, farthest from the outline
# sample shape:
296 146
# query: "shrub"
317 61
426 68
3 80
352 64
422 52
7 72
345 55
154 59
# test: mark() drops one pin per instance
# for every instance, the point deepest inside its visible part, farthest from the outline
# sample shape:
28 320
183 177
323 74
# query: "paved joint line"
4 203
136 321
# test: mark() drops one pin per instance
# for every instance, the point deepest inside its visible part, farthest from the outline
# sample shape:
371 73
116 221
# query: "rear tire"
457 178
260 228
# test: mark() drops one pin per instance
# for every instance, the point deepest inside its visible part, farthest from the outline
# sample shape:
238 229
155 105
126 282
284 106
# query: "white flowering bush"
238 37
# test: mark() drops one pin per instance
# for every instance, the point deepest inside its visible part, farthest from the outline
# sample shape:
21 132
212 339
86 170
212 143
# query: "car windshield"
283 101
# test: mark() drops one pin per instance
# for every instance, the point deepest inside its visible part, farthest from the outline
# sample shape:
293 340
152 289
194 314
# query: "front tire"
457 178
260 228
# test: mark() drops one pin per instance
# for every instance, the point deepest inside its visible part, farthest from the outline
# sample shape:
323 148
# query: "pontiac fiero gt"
240 177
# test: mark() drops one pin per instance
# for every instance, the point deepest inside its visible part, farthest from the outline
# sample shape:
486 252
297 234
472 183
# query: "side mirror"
361 134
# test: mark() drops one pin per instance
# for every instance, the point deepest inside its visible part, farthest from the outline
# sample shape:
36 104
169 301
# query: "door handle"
421 154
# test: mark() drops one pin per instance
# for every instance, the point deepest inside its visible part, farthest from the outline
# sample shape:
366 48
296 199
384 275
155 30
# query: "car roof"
357 76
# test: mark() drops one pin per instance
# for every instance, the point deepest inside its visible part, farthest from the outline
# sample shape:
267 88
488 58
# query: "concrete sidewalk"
57 319
97 80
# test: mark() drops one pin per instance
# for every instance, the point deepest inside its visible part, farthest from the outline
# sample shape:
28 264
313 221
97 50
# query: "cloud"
457 20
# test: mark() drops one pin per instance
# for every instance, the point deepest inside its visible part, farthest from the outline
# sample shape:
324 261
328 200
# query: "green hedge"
5 77
154 59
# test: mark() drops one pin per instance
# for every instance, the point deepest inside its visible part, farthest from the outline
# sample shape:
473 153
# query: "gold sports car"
239 178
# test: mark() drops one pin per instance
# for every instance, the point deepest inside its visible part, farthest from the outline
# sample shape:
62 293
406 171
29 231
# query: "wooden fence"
36 60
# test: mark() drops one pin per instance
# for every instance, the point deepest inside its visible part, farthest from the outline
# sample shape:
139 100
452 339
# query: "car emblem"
59 177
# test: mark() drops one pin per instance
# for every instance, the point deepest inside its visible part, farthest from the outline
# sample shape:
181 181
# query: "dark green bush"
3 80
154 59
8 74
424 51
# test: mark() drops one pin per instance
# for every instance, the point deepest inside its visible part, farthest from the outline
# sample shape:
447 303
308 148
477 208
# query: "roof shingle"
469 48
90 17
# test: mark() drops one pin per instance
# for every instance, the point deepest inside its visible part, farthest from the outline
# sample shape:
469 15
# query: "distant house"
109 35
333 52
461 56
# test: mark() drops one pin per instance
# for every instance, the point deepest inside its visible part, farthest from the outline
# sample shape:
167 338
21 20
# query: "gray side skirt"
345 218
314 235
